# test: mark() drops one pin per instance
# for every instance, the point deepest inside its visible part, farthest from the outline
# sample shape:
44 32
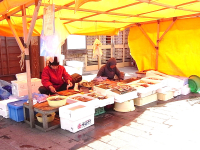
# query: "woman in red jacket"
54 78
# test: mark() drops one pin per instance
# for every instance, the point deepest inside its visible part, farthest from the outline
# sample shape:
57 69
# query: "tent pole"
15 34
30 99
157 47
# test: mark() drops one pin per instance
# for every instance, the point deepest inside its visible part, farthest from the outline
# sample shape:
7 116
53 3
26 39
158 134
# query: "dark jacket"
106 71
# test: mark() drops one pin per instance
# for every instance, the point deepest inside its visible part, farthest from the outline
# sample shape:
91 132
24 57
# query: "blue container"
16 110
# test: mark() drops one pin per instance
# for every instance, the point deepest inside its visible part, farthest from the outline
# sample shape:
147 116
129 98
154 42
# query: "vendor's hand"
120 80
70 84
52 89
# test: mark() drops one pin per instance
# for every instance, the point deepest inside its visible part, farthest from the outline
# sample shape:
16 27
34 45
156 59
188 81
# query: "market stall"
102 18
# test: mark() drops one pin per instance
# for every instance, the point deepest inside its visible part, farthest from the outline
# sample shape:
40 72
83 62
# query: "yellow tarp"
179 50
95 17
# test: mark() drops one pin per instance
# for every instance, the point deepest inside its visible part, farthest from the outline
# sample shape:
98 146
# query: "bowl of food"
50 117
57 101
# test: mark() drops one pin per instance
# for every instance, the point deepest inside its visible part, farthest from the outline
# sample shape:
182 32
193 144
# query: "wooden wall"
9 60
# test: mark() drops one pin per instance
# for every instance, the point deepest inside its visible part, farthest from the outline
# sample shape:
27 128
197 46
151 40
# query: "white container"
177 92
145 100
94 102
76 116
77 125
71 70
22 84
104 102
4 108
185 90
120 98
21 76
23 92
75 63
164 90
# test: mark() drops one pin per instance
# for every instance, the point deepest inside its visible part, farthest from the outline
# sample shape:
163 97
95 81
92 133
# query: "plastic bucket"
194 83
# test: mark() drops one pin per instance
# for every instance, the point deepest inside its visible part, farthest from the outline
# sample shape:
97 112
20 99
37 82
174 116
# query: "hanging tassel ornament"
97 48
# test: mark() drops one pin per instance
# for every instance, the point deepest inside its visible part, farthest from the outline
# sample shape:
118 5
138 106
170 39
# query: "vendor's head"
53 62
111 63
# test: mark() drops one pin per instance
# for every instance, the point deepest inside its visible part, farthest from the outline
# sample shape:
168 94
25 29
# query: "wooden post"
27 58
30 99
157 47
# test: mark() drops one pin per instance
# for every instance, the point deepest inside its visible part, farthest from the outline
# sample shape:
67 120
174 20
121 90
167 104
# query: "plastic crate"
16 110
99 111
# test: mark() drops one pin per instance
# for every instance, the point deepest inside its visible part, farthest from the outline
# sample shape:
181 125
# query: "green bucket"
194 83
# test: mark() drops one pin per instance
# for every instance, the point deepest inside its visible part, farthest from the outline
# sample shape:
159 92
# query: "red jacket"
54 77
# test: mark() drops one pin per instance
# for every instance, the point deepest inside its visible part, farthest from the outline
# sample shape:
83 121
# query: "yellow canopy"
96 17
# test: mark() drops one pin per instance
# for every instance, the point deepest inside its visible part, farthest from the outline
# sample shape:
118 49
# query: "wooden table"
44 109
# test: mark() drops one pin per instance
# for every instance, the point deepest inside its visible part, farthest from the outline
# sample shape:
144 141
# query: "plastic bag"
4 83
4 94
8 88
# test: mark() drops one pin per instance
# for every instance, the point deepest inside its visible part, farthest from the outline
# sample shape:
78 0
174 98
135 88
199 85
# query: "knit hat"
53 61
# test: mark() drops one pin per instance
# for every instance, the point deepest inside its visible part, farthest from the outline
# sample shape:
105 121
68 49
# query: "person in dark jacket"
54 78
109 70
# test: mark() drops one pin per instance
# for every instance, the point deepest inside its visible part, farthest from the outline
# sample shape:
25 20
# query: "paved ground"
165 125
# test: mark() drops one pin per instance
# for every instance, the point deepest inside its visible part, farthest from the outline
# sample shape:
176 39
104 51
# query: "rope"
22 55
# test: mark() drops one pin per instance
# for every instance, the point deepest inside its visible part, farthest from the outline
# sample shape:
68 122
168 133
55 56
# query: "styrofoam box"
145 100
172 81
23 92
3 103
120 98
4 108
101 90
71 70
185 90
74 126
105 102
22 84
177 92
164 90
94 102
78 119
4 113
75 63
167 96
21 76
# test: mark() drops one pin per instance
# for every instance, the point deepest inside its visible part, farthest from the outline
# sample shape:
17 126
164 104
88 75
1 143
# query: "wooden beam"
15 35
145 34
7 55
35 13
16 10
174 20
58 8
1 61
167 6
157 47
165 19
